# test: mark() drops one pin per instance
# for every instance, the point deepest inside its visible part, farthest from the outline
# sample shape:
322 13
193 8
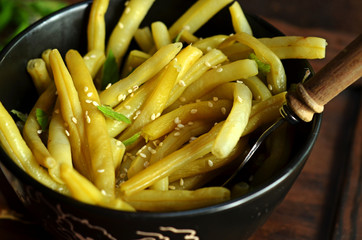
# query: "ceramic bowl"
67 218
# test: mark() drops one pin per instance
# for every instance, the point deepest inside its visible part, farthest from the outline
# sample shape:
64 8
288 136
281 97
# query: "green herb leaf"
42 118
109 112
20 115
110 71
263 68
132 139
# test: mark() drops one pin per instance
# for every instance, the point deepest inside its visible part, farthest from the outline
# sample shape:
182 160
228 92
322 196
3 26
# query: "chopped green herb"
178 37
264 68
110 71
132 139
109 112
20 115
42 118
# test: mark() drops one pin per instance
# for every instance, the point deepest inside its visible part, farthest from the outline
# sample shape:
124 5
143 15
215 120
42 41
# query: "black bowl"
67 218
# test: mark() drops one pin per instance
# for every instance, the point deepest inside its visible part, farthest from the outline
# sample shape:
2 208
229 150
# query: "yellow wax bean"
32 129
197 15
126 27
143 37
258 88
229 72
178 200
209 43
45 56
187 114
276 78
72 113
94 61
160 34
116 93
235 123
97 136
39 74
15 146
134 59
166 166
96 30
239 21
58 144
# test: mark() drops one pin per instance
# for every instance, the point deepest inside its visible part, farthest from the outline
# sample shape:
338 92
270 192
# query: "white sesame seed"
88 119
141 149
146 164
109 85
142 155
121 97
92 56
210 163
239 81
182 83
130 90
177 120
74 120
158 115
126 3
95 103
176 134
180 125
67 133
223 110
171 187
121 25
161 144
182 99
127 10
215 99
186 28
118 143
100 170
220 69
127 107
39 131
181 182
192 139
85 89
56 111
190 123
135 87
88 101
210 104
270 87
153 116
104 192
193 111
89 94
207 64
208 49
122 175
240 100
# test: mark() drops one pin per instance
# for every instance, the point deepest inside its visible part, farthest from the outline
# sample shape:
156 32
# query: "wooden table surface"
326 200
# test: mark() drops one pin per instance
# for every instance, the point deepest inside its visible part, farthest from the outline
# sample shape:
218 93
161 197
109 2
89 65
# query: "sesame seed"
193 111
182 83
141 149
187 28
92 56
192 139
258 97
142 155
127 107
121 25
129 90
177 120
135 87
223 110
182 99
103 192
122 175
180 125
146 164
88 119
210 104
88 101
190 123
95 103
118 143
210 163
207 64
127 10
109 85
240 100
161 144
39 131
239 81
100 170
215 99
158 115
171 187
153 116
126 3
208 49
56 111
176 134
74 120
270 87
182 181
121 97
85 89
67 133
89 94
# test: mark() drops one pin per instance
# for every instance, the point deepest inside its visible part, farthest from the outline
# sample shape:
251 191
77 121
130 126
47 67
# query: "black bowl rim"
298 160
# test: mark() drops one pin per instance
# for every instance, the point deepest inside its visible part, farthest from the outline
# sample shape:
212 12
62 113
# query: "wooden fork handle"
311 96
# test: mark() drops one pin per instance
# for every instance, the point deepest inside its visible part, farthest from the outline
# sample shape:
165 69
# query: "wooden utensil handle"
311 96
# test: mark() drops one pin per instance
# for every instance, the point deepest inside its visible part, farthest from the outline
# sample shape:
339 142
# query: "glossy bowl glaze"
67 218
